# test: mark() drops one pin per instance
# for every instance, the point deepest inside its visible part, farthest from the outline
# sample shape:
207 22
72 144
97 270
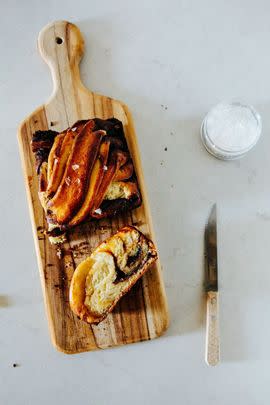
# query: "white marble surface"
170 61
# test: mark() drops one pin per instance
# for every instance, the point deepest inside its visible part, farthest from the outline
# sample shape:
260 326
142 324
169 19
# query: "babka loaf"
84 172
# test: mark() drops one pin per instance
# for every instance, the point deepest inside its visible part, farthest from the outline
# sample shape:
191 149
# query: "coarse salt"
98 211
230 130
68 181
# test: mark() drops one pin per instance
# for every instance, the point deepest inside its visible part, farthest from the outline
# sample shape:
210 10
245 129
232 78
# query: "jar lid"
230 130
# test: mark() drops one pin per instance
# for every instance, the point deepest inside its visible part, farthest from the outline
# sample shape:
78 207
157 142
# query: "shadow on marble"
232 341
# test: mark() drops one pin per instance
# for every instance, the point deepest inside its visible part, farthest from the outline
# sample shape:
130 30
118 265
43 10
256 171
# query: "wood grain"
142 314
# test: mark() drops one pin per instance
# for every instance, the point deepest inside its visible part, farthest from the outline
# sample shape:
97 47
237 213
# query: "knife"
212 350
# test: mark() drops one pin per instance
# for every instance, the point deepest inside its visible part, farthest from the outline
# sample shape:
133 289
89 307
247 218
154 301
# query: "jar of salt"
229 131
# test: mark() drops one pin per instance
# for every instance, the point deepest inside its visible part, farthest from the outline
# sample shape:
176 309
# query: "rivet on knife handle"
212 352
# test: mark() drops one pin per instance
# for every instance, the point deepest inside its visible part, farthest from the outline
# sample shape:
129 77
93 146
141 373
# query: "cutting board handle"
61 45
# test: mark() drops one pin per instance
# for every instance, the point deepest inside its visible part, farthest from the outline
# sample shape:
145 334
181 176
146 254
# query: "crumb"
56 285
105 167
78 181
172 186
39 228
15 365
171 133
74 129
161 163
52 123
49 265
75 167
166 149
59 253
35 121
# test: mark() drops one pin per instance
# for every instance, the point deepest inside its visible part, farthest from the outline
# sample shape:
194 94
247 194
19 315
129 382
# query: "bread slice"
113 268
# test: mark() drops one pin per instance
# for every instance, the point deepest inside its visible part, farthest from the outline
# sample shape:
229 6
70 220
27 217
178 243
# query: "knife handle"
212 350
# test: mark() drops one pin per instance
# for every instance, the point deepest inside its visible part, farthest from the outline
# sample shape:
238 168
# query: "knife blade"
211 264
212 351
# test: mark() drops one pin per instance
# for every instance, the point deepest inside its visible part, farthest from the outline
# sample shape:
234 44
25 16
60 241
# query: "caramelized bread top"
85 171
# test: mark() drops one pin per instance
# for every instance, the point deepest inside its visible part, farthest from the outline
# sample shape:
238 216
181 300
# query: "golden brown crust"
77 292
58 161
113 166
55 154
124 172
71 191
83 164
95 181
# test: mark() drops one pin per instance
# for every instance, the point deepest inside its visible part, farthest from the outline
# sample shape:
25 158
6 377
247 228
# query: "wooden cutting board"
142 314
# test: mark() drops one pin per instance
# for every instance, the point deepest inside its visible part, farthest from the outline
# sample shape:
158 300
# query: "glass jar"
230 130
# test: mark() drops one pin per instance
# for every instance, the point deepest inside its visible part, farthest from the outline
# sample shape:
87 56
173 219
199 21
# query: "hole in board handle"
58 40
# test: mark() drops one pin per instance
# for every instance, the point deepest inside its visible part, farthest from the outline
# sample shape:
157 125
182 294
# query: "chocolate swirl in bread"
113 268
